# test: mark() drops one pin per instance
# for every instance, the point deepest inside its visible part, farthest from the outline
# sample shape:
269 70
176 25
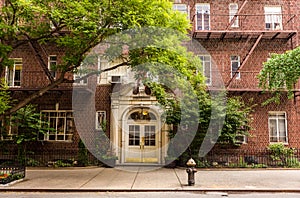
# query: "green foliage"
62 163
242 163
283 155
32 162
5 98
88 23
237 121
82 154
155 48
29 124
78 26
280 73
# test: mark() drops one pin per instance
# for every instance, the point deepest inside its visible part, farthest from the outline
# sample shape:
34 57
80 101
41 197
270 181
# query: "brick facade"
253 43
220 42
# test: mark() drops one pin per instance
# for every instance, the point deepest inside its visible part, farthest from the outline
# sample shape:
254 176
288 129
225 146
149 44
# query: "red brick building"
242 34
239 36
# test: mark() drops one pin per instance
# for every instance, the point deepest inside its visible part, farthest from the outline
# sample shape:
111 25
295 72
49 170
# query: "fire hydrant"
191 171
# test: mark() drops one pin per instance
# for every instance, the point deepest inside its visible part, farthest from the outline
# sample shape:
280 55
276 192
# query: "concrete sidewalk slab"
155 179
248 179
111 179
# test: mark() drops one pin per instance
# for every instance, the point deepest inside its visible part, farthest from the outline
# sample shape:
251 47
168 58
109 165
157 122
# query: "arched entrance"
142 137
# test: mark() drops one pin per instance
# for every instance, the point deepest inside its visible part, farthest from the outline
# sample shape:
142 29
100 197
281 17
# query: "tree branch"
35 95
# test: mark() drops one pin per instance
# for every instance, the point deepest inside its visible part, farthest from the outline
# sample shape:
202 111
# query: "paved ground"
156 179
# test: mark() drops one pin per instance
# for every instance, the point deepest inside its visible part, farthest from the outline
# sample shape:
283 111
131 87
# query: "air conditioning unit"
116 79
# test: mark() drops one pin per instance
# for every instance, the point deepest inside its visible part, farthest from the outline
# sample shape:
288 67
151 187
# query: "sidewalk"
160 179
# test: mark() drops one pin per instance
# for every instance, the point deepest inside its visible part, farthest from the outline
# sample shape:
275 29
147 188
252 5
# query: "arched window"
142 114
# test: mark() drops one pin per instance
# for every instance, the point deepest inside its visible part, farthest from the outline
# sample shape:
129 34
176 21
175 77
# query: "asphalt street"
146 195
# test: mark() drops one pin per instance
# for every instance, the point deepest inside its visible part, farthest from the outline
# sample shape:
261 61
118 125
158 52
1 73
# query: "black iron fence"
219 158
61 158
255 159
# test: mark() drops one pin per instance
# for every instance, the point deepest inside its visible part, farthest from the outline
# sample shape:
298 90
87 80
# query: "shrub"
284 156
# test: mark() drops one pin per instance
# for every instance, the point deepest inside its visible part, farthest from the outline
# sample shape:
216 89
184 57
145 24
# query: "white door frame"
124 137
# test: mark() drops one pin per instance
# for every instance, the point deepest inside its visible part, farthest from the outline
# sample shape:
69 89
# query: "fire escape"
252 35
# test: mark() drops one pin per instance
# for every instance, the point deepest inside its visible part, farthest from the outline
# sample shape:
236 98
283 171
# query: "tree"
26 121
76 27
281 72
145 35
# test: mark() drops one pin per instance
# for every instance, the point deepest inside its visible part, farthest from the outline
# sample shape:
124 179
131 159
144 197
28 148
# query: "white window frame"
233 9
208 80
232 61
102 78
51 62
203 9
183 8
273 17
243 139
278 117
100 118
68 129
10 73
78 76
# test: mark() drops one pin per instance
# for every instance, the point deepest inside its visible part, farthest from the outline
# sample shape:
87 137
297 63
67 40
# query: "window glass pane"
281 127
273 18
134 135
62 127
206 64
180 7
150 135
203 16
233 9
14 73
70 127
100 119
277 127
273 128
235 64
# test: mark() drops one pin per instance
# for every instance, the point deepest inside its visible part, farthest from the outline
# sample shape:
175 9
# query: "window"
273 18
101 120
206 64
14 73
150 135
202 16
61 124
7 130
116 79
52 63
235 64
134 135
79 75
181 8
102 64
241 139
233 9
278 127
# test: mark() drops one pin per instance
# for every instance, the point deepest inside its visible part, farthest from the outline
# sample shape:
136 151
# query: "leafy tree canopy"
281 72
76 27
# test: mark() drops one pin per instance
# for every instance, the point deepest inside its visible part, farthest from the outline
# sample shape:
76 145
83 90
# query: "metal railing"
252 159
234 158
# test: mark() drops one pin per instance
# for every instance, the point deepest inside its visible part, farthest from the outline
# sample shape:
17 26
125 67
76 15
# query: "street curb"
200 190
